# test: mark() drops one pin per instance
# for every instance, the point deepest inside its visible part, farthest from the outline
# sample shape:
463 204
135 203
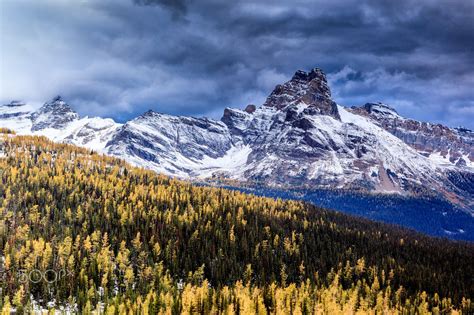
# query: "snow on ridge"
395 147
286 146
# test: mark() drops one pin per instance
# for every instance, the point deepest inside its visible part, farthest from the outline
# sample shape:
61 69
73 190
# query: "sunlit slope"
128 239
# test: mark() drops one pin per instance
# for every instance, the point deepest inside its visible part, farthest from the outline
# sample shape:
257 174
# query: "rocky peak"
149 113
380 109
54 114
56 104
316 78
148 116
310 88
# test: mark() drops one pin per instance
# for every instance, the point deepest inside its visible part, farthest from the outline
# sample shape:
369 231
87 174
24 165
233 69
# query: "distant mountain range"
299 139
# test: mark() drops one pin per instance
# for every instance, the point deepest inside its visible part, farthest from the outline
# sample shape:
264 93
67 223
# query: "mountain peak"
54 114
149 112
309 76
57 103
58 98
380 109
310 88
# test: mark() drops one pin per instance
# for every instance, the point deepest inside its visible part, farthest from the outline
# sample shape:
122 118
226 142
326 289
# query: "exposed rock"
250 108
55 114
453 144
309 88
173 145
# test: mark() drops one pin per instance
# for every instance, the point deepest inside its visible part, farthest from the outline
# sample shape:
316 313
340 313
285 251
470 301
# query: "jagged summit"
58 98
307 88
57 102
148 113
54 114
309 76
379 108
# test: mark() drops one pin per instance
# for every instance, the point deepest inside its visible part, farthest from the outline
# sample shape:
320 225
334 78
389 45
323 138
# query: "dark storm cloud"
119 58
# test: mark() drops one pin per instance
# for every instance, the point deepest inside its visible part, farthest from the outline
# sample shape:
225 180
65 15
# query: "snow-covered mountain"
440 143
298 138
180 146
59 122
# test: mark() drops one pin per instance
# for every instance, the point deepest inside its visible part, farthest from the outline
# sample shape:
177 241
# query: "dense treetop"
105 235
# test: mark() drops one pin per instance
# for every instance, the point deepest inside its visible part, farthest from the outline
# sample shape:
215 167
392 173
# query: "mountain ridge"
299 138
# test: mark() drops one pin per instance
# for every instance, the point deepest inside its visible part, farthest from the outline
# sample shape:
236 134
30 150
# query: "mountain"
298 139
451 148
178 146
59 122
57 115
438 142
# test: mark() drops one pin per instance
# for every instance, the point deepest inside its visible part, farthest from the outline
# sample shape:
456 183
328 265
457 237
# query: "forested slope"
104 235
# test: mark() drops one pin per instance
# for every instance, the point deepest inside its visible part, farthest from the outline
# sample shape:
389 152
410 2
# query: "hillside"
107 235
299 139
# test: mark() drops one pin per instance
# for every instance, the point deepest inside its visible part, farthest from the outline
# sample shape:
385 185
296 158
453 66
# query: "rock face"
310 88
455 145
298 138
56 114
170 144
293 146
250 108
451 149
59 122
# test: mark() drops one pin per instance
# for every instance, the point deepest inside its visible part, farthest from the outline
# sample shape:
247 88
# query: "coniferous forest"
89 233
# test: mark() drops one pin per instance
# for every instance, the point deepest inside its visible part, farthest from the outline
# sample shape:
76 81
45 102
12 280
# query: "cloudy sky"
118 58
